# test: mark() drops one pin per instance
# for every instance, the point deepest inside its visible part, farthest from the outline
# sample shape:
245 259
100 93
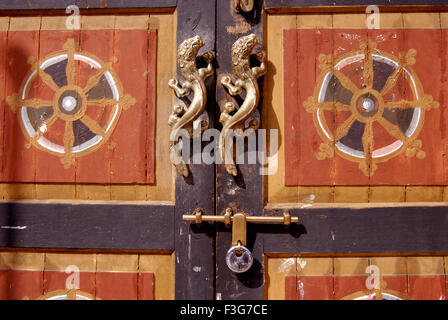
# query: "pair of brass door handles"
232 117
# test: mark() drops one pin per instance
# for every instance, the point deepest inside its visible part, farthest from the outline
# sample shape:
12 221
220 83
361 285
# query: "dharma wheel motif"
69 103
368 106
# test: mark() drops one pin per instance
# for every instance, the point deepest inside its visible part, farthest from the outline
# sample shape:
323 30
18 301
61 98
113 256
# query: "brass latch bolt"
239 258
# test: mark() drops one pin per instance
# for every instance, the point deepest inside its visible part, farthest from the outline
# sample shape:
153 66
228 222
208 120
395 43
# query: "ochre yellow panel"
93 192
390 265
349 21
55 191
24 23
386 194
389 20
273 102
107 262
18 190
60 261
421 20
425 265
350 266
314 266
277 269
162 265
4 23
351 194
22 260
424 194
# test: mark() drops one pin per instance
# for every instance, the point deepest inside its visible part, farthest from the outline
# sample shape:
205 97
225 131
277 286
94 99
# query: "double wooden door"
356 142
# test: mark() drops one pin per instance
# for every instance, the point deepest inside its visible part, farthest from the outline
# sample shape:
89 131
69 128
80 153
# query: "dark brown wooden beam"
195 260
84 4
368 230
86 226
337 3
242 193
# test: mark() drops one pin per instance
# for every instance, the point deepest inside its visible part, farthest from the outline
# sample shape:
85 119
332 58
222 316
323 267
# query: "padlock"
239 259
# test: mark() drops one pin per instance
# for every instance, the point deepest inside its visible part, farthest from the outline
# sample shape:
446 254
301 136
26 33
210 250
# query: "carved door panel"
356 97
90 199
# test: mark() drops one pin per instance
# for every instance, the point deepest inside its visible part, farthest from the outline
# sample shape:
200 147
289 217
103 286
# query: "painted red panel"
315 287
19 161
290 288
310 153
56 280
346 41
446 287
302 142
291 82
96 164
146 286
443 99
116 285
321 287
396 283
17 285
151 98
49 168
345 285
131 53
428 68
3 104
427 287
309 288
109 145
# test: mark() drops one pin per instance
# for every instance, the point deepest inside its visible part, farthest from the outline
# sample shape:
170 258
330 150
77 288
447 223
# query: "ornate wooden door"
343 111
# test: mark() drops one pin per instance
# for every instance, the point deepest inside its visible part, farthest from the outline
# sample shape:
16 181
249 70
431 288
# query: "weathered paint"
33 275
404 277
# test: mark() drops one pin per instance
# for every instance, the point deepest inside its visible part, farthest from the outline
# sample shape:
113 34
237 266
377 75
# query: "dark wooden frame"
195 250
242 193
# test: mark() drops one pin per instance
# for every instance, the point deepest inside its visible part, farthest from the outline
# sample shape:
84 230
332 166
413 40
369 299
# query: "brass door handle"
239 226
182 117
244 78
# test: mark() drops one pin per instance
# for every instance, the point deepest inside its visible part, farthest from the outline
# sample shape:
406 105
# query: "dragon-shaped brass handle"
246 79
182 117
